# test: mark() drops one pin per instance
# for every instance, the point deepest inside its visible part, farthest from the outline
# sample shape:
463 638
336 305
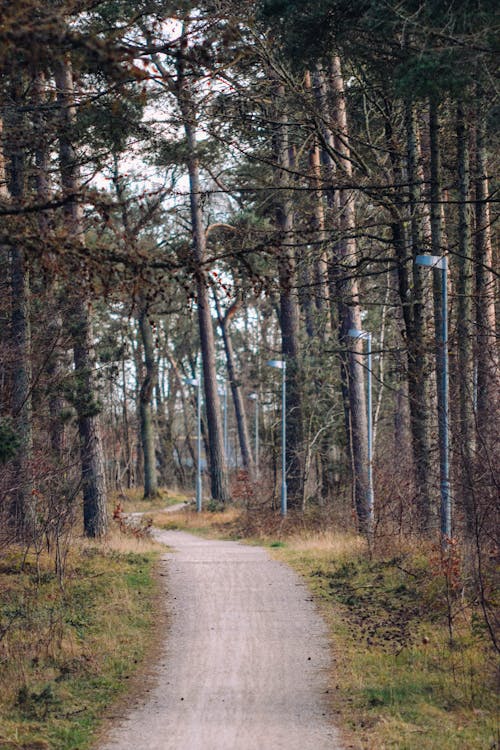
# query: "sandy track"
245 658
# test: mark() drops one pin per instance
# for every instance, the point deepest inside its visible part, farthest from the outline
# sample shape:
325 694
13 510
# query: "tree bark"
79 323
239 408
345 253
289 309
53 317
466 431
218 472
145 409
436 218
415 334
22 511
487 359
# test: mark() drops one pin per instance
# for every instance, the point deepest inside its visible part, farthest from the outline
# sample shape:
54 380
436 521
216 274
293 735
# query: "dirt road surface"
245 659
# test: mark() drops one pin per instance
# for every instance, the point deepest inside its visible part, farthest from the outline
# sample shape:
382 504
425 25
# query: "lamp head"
432 261
355 333
279 364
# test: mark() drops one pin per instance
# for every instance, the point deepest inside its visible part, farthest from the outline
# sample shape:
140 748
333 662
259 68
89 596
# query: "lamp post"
223 393
255 397
440 263
366 336
195 382
280 364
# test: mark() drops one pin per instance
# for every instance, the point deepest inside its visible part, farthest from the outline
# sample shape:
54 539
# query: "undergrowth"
65 653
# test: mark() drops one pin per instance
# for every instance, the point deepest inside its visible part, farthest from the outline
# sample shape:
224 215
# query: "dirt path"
245 658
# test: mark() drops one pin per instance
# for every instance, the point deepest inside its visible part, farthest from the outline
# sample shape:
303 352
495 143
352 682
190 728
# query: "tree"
79 321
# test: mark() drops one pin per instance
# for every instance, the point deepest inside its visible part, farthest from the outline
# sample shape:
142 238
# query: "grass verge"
132 501
413 667
66 654
400 681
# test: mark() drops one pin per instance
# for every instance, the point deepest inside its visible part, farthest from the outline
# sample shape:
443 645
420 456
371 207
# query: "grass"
132 500
220 524
66 654
398 681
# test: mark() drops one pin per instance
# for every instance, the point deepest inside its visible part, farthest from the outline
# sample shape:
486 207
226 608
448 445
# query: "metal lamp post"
280 364
440 263
366 336
195 382
255 397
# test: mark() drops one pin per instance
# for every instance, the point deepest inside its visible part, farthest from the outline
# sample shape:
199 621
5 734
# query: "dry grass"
123 544
400 682
329 542
214 524
65 653
132 500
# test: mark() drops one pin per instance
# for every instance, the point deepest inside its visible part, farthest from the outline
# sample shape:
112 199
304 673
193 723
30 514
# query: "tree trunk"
126 427
80 325
22 511
239 408
145 408
53 318
415 336
349 308
321 294
466 431
436 215
488 375
218 471
289 311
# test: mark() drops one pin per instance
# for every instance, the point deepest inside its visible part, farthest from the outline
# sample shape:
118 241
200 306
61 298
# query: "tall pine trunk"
218 472
415 334
53 319
22 511
145 406
349 312
239 407
466 432
436 217
289 308
79 322
487 359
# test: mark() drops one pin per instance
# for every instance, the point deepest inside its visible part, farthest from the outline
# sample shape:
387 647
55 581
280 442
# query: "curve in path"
245 663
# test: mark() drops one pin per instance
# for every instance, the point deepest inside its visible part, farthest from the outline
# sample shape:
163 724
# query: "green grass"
400 682
68 654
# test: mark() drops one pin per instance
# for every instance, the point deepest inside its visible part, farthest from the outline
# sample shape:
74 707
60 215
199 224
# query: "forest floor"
413 667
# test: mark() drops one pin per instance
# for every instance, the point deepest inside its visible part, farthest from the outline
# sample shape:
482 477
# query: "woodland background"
199 188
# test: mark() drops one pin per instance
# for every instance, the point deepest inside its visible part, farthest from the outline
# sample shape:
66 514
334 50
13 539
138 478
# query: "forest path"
245 659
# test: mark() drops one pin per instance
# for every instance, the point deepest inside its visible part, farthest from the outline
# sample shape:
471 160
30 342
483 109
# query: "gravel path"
245 660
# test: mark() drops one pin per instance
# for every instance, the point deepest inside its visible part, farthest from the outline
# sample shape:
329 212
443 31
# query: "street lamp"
366 336
440 263
255 397
280 364
195 382
223 393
